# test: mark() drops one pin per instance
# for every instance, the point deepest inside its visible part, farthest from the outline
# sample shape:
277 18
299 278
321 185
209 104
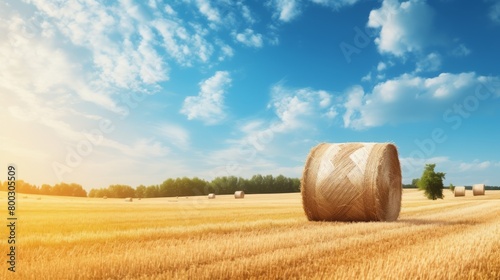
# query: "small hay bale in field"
104 197
352 182
128 199
38 198
459 191
239 194
478 189
211 196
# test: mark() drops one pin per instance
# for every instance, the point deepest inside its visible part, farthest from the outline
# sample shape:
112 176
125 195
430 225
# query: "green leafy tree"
140 191
452 187
431 182
414 182
121 191
152 191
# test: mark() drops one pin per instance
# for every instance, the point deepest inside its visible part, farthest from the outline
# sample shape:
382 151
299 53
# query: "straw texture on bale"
211 196
128 199
478 189
352 182
239 194
459 191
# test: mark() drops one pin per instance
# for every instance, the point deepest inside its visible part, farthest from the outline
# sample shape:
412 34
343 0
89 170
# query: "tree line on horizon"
180 187
195 186
63 189
169 188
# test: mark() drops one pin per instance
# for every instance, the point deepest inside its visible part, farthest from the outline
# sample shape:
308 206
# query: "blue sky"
134 92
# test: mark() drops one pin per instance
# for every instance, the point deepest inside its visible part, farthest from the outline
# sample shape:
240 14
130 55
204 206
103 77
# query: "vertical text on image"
11 219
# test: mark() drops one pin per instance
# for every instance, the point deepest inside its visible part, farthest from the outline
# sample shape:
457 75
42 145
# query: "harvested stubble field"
259 237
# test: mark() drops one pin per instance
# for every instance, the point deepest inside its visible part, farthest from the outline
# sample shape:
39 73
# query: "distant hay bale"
352 182
211 196
128 199
459 191
239 194
38 198
478 189
104 197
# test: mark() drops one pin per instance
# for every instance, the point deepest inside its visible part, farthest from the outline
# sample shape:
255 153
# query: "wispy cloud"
289 10
430 63
247 14
475 165
494 13
175 134
461 50
336 4
267 143
208 105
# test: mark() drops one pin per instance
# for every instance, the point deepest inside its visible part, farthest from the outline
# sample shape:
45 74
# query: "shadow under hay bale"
352 182
239 194
459 191
478 189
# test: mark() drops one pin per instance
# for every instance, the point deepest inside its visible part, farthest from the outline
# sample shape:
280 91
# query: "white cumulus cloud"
207 10
208 105
404 27
249 38
411 98
287 10
296 107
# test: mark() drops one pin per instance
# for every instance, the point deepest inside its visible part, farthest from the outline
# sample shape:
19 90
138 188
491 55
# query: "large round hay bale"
239 194
128 199
459 191
478 189
211 196
352 182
